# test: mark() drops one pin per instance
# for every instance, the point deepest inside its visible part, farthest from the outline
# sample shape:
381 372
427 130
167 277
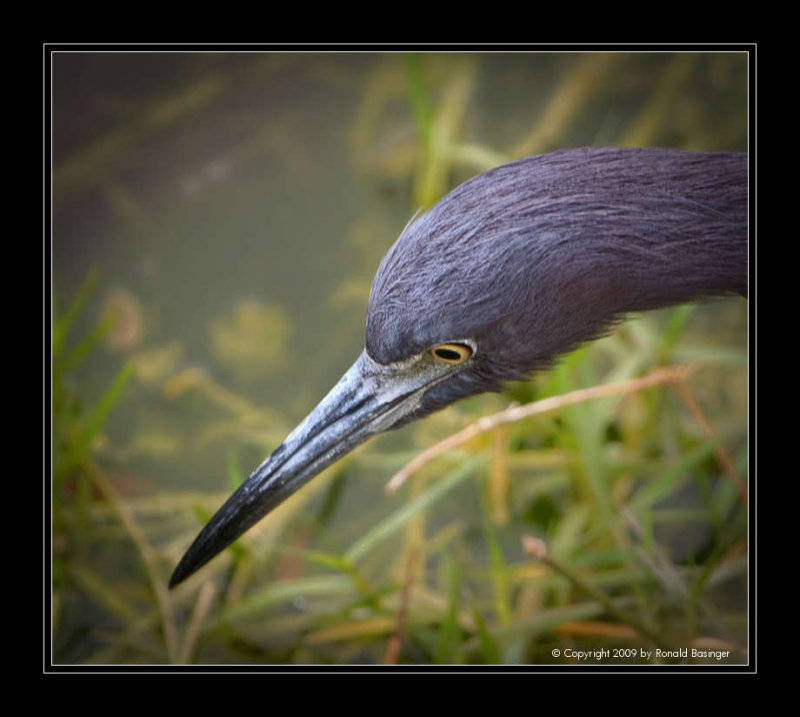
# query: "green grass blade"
678 319
420 104
497 567
63 324
95 421
491 655
233 469
277 593
448 630
328 560
400 517
83 348
545 620
674 477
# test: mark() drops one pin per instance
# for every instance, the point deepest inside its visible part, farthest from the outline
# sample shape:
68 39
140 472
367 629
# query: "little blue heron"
511 269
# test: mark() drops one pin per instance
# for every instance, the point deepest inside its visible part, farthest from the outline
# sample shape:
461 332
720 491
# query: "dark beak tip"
174 580
181 572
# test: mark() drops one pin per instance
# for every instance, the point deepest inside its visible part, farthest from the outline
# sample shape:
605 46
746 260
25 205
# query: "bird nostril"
451 353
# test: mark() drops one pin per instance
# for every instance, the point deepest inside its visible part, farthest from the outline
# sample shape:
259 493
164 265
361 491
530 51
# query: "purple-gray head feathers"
534 257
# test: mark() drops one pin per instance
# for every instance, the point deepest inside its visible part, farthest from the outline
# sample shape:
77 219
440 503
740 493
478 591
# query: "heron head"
452 312
513 268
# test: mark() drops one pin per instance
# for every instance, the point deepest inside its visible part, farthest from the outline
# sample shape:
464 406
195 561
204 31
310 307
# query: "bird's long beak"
369 398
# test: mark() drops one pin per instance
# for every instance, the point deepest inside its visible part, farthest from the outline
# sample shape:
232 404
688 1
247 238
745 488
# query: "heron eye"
451 353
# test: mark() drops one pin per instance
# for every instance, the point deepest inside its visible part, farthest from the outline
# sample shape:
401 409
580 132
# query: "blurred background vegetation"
217 220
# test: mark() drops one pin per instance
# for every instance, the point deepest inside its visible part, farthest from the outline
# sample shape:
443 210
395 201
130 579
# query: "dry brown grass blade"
686 394
149 557
651 119
593 628
664 376
201 610
583 81
396 640
499 483
536 549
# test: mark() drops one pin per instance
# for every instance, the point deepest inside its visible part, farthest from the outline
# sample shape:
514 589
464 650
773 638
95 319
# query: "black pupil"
448 354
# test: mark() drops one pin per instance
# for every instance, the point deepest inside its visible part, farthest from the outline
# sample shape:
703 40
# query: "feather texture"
537 256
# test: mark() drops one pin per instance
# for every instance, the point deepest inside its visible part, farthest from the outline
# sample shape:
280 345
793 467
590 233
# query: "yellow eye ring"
451 353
